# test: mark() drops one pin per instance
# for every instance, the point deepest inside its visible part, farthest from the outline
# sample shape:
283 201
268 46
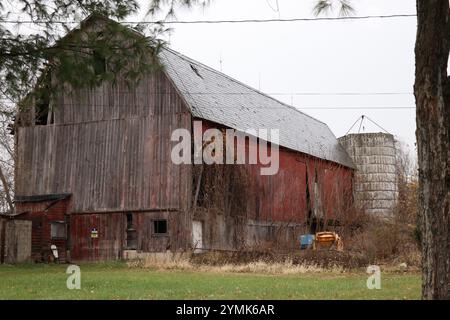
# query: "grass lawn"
117 281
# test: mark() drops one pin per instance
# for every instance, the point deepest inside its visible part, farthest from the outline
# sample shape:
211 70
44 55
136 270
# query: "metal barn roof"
214 96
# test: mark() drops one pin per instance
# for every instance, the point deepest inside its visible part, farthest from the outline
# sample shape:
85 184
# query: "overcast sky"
373 55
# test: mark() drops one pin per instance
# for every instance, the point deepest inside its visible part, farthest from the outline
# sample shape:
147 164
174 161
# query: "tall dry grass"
287 267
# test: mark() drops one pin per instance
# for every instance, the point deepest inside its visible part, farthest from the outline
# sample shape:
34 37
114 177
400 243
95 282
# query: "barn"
96 177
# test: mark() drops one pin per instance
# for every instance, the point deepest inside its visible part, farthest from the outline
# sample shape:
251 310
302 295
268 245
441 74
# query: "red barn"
95 175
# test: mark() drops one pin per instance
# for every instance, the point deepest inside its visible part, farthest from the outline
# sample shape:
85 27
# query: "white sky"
320 56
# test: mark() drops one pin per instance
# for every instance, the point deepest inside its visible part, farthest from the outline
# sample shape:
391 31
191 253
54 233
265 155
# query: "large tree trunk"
432 91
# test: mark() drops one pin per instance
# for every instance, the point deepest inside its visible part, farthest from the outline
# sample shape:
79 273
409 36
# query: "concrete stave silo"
376 184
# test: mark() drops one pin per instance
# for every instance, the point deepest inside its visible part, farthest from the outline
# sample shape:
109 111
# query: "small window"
131 239
129 221
160 226
58 230
99 63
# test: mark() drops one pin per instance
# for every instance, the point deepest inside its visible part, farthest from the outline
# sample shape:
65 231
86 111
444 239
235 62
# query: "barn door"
197 236
37 241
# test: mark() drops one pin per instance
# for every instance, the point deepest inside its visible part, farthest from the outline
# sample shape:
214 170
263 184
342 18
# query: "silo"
374 155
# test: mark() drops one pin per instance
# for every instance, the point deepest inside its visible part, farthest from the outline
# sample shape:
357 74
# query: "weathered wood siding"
109 243
280 207
42 214
111 227
110 147
15 241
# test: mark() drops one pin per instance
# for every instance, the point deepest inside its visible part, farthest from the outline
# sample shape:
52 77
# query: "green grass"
117 281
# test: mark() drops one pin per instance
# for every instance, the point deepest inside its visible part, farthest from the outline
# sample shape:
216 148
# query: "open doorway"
197 236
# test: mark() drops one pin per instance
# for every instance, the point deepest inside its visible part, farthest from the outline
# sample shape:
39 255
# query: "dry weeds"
287 267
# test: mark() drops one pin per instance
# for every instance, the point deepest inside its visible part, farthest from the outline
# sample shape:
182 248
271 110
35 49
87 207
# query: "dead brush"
172 261
262 267
286 267
386 241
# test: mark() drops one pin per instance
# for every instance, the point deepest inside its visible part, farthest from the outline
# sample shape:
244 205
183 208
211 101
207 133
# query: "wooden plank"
108 157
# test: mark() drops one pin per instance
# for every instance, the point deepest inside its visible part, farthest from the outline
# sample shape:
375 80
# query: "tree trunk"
6 191
432 93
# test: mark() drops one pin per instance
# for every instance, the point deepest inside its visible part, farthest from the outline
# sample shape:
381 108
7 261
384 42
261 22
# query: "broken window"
58 230
129 221
160 226
41 111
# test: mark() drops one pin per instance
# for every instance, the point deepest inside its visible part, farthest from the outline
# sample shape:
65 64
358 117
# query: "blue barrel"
306 241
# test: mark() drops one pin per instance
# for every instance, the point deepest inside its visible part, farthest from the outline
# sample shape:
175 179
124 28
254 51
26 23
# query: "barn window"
99 63
160 226
131 240
58 230
129 221
42 112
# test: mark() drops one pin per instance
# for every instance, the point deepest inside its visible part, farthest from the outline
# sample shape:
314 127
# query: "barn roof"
214 96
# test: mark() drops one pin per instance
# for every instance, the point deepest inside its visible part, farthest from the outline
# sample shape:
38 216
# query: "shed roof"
214 96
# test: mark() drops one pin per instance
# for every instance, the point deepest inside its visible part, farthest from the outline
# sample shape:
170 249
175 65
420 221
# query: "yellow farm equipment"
328 240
